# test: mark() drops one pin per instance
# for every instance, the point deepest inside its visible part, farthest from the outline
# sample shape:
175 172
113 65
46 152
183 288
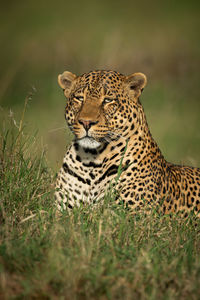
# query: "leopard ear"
65 80
136 82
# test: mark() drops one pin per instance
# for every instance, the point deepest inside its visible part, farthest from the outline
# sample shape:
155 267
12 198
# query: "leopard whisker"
56 129
117 135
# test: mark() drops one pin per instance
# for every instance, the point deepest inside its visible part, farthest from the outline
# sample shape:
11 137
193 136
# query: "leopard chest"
83 179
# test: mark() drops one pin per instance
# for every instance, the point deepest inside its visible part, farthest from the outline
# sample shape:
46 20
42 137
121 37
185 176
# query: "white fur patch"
88 142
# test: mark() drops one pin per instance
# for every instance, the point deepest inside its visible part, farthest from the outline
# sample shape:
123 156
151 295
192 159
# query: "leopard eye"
79 98
108 100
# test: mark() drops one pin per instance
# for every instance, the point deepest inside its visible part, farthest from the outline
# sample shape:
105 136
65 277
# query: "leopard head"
101 105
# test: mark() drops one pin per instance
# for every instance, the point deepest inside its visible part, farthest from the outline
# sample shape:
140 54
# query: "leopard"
111 134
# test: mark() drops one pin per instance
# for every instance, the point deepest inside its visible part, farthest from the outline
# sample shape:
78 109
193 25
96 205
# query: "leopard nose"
87 123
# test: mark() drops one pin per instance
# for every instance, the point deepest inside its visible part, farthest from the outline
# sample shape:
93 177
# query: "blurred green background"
40 39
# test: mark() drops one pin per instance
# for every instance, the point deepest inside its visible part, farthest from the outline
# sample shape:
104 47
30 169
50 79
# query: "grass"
101 253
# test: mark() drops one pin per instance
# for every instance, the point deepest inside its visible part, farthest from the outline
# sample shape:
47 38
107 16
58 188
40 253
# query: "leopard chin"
88 142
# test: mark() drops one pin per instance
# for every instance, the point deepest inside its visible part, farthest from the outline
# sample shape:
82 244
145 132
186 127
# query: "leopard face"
102 105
